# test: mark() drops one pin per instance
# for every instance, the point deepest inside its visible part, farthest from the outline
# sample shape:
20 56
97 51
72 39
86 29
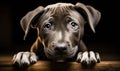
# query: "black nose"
61 47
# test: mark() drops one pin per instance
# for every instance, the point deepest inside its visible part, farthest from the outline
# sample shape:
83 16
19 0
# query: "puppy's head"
60 27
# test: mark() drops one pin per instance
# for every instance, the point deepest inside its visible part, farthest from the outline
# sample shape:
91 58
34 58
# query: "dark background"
105 40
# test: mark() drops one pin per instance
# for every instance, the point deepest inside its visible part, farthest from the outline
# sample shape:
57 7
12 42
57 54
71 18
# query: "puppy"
60 28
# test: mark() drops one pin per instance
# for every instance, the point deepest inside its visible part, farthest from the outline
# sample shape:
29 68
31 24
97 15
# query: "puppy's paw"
24 58
88 58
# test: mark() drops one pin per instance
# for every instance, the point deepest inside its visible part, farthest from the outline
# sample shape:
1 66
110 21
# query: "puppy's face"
60 32
60 27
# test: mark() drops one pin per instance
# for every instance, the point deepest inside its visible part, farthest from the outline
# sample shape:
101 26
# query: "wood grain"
64 66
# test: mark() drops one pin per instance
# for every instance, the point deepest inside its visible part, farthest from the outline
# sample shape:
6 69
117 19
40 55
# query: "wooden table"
6 65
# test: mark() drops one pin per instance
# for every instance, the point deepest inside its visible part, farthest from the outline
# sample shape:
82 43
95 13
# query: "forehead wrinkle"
59 8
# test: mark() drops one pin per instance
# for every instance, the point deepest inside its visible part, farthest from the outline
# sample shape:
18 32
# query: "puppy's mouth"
69 53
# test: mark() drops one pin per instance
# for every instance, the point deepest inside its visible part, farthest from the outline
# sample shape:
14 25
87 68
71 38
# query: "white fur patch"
88 57
92 56
85 57
24 58
33 57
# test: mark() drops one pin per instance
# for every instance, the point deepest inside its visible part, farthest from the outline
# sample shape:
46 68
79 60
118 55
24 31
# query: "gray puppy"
60 28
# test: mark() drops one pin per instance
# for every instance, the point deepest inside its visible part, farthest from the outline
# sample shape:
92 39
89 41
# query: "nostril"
60 48
63 48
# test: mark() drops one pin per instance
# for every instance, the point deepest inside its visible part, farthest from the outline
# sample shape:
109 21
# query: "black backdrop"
107 31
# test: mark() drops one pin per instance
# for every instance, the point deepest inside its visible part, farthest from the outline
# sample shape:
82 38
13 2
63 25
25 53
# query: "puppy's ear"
30 19
93 16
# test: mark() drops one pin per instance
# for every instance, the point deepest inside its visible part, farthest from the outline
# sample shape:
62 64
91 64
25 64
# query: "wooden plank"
73 66
63 66
6 65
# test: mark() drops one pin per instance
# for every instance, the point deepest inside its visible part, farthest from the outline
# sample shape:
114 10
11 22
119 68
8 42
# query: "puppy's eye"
74 25
47 26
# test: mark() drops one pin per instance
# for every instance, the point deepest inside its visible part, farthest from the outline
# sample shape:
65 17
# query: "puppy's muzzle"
61 47
60 50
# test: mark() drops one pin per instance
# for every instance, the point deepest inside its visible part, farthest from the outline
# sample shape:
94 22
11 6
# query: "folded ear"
28 20
93 16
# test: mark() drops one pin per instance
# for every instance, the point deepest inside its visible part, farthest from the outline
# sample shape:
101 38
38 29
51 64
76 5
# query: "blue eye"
74 25
47 26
